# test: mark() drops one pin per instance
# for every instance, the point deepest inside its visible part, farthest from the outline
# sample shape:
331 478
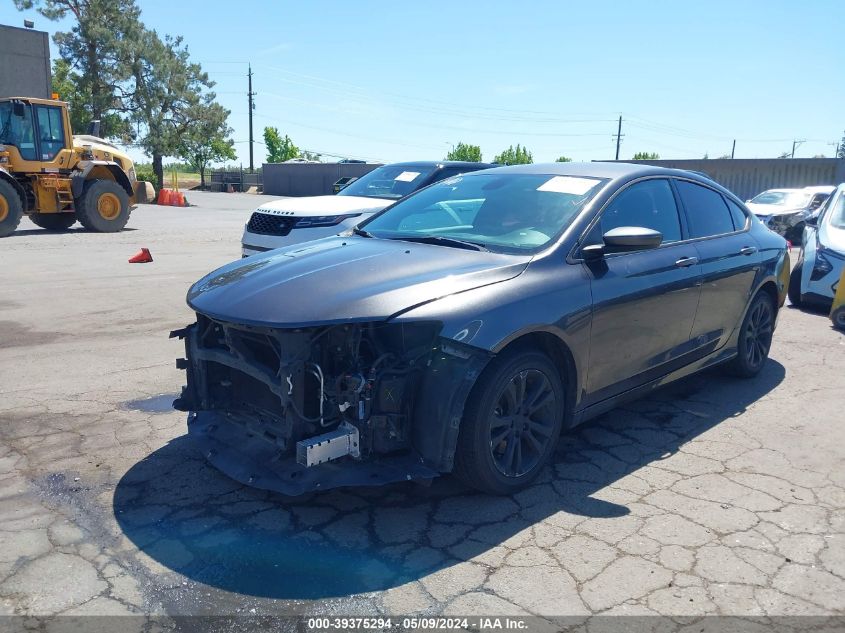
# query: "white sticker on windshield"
407 176
568 184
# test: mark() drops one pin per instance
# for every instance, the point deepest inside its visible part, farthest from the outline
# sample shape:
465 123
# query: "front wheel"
755 337
511 423
11 209
103 207
838 318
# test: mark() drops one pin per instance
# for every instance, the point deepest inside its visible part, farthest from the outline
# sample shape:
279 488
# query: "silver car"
785 211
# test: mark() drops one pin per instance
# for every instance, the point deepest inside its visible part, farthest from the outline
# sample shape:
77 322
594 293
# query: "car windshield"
498 212
837 213
389 181
790 199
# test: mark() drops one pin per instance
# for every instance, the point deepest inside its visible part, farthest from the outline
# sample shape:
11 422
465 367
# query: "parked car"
463 327
785 211
294 220
822 258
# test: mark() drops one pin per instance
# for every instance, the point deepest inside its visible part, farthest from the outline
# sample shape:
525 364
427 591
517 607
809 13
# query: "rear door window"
707 212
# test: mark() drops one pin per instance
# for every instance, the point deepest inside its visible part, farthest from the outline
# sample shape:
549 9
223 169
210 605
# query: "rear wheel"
11 209
103 206
511 424
53 221
794 291
755 337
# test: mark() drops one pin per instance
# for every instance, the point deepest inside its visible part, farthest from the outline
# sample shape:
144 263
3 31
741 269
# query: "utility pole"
794 145
250 95
618 136
733 149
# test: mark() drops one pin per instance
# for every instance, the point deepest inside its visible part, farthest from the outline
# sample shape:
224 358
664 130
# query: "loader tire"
11 209
53 221
103 206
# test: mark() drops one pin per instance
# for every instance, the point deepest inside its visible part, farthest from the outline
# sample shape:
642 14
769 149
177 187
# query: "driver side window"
649 204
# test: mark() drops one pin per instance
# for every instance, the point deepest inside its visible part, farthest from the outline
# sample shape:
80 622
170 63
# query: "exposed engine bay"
293 400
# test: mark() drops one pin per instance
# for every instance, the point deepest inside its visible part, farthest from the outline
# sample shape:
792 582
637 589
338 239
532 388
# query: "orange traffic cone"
142 257
163 196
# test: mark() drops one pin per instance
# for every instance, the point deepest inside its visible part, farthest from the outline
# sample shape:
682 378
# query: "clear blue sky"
402 81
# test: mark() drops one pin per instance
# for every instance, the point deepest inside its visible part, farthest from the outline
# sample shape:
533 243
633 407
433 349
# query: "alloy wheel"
522 422
758 333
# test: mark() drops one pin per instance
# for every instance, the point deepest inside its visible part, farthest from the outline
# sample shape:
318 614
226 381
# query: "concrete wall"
308 179
747 177
24 63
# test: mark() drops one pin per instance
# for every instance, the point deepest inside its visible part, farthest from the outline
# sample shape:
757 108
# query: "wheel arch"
105 170
561 355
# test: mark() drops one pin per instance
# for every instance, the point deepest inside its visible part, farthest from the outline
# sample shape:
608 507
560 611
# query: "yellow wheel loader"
56 178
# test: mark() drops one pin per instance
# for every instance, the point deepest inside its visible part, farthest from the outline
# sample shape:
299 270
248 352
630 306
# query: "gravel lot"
714 496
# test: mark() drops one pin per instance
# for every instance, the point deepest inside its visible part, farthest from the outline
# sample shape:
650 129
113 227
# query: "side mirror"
631 238
812 220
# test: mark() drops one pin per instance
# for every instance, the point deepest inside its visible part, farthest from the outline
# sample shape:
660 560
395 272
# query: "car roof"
429 164
821 189
598 169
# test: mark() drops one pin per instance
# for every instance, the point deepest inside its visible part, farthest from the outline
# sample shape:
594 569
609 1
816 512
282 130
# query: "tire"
103 207
794 291
494 410
838 318
11 209
53 221
755 337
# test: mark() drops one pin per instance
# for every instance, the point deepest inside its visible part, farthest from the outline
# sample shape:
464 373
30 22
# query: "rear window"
706 210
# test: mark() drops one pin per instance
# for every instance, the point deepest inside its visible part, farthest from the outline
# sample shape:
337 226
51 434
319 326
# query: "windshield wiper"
361 232
443 241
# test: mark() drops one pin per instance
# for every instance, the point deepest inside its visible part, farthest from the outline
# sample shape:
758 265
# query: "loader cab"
36 134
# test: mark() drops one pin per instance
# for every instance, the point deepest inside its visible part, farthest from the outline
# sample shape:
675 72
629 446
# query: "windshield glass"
499 212
837 213
791 199
17 131
390 181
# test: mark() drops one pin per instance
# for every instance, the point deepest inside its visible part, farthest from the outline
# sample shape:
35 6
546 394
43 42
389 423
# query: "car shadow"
73 229
191 519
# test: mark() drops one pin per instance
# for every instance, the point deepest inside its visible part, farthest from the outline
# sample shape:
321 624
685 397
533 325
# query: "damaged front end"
294 410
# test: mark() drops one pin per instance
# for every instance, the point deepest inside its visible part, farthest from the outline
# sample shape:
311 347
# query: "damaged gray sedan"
464 327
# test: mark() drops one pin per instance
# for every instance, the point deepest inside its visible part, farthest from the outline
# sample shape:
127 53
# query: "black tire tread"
794 291
471 465
86 207
10 224
53 221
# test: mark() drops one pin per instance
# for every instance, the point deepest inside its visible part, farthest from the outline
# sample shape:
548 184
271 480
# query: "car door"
644 302
729 259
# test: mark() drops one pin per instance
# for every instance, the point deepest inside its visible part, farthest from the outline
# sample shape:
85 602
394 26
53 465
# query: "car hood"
770 209
323 205
344 279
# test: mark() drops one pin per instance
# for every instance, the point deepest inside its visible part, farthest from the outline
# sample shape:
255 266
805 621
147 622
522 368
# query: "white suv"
294 220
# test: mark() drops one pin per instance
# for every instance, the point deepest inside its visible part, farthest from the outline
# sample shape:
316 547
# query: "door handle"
686 261
748 250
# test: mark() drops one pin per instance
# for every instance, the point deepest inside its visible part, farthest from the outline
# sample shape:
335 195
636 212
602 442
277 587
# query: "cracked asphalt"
712 496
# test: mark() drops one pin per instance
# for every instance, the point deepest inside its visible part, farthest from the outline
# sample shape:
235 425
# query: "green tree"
169 96
515 156
97 50
563 159
466 152
279 149
840 150
647 156
310 155
206 142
